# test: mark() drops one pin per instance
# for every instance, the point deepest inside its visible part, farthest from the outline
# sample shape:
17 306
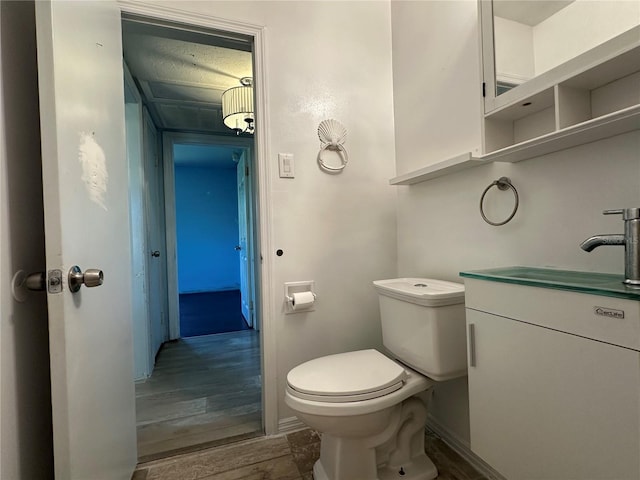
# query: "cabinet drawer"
611 320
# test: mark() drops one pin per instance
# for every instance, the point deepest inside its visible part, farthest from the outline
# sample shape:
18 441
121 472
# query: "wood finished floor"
282 457
204 391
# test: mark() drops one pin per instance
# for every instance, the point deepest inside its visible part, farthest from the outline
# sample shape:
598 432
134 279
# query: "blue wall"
207 229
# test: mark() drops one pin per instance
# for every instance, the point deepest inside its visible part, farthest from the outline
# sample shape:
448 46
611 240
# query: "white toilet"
367 406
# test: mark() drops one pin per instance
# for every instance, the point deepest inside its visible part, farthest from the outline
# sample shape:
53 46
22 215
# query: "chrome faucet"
630 239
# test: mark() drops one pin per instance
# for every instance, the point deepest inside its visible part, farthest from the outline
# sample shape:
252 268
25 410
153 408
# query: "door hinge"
251 305
246 171
484 89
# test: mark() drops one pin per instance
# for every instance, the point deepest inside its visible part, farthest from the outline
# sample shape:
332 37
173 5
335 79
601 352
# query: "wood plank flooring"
281 457
204 391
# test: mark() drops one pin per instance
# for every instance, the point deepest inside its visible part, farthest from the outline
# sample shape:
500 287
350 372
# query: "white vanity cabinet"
554 388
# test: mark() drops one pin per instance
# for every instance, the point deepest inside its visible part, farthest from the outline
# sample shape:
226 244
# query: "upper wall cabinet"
558 74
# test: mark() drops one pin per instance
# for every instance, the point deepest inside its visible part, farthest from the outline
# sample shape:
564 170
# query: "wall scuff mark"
94 168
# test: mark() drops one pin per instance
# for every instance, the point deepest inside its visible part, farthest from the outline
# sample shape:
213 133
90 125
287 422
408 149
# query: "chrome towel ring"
503 183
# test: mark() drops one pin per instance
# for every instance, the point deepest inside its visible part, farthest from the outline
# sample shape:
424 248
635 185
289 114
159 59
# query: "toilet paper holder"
292 288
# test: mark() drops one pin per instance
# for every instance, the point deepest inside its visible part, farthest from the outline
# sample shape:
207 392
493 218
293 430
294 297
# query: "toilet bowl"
356 423
370 408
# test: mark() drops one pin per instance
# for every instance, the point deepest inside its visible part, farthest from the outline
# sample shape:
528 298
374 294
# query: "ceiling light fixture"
237 107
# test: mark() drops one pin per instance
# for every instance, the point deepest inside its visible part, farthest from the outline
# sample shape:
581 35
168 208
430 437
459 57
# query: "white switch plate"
285 165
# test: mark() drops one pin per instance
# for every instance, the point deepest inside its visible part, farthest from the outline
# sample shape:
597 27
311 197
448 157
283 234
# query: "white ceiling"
181 75
529 12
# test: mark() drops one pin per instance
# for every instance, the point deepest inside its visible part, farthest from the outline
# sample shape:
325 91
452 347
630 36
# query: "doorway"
198 382
214 218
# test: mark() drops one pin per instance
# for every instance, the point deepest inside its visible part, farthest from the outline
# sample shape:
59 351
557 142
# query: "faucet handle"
627 213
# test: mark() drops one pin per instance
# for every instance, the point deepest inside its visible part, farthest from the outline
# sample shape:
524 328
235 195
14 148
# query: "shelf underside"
606 126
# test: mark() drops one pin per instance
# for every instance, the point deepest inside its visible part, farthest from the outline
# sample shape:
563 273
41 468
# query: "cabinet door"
549 405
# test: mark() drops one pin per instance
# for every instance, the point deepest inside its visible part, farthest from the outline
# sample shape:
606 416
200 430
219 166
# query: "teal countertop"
604 284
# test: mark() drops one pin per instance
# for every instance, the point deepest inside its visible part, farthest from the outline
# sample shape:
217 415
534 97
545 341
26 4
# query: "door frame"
264 303
169 139
141 328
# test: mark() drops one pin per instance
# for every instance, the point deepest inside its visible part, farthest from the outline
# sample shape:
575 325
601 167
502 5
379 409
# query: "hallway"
204 391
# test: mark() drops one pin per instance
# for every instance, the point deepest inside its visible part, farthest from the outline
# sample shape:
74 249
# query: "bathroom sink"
591 305
604 284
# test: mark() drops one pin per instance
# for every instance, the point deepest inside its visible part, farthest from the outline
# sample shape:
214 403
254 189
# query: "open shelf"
606 126
593 96
445 167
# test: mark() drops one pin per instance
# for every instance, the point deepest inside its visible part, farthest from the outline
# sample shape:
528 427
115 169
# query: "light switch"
285 165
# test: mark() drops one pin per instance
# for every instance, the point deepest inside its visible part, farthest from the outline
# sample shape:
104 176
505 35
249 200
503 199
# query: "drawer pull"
472 344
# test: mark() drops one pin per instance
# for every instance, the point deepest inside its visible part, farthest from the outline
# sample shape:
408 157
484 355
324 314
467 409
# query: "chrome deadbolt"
90 278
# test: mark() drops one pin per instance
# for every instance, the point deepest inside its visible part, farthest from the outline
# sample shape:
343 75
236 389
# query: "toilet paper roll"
302 300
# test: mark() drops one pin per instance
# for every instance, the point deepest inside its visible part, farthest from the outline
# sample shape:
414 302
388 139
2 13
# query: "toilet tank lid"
422 291
350 373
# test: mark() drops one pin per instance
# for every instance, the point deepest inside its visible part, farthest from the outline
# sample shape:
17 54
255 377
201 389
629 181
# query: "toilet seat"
347 377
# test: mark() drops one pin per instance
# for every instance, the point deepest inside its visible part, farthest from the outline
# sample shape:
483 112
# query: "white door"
155 229
85 187
244 245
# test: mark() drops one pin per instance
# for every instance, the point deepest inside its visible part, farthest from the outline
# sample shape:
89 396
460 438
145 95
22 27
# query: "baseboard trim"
463 448
290 424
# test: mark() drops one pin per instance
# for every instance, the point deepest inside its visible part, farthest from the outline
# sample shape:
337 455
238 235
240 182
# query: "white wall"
562 195
326 60
514 50
525 51
579 27
25 406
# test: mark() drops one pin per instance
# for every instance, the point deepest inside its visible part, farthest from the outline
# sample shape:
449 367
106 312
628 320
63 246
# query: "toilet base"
420 468
393 450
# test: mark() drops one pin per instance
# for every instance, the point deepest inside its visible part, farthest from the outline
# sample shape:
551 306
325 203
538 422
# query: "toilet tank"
423 325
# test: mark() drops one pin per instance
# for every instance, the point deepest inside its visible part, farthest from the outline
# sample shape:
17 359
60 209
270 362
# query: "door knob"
90 278
22 283
36 281
155 253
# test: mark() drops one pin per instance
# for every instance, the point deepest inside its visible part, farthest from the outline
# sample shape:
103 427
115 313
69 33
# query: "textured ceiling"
182 74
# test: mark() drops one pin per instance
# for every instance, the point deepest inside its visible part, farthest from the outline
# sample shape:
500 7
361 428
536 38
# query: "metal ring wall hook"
342 152
503 183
